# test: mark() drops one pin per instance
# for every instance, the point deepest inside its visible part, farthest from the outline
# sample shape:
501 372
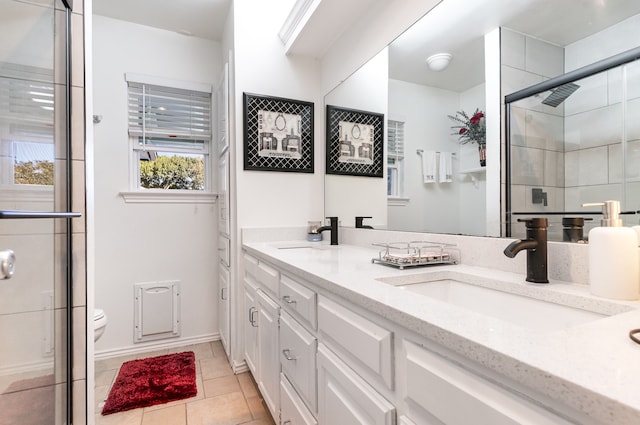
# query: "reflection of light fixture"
439 61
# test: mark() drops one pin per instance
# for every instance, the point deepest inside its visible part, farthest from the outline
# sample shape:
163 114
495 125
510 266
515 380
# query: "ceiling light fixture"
439 61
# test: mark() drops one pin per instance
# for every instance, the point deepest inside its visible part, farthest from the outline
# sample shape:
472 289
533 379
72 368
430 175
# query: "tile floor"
223 398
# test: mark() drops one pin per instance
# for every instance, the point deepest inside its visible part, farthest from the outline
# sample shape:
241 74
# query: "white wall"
473 197
432 207
351 196
266 198
147 242
456 207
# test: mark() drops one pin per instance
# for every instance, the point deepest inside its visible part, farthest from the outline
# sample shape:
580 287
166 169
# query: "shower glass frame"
536 89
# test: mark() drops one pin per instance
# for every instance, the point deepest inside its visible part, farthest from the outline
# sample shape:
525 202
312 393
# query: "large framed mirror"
497 48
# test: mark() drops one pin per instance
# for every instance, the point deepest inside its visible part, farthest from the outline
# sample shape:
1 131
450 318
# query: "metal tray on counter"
416 254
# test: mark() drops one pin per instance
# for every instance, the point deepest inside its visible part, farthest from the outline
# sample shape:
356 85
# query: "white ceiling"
454 26
458 26
199 18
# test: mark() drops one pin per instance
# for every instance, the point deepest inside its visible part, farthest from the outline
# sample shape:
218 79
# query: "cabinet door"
250 326
292 409
345 398
268 349
223 308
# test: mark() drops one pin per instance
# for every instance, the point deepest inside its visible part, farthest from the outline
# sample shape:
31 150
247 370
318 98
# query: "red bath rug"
155 380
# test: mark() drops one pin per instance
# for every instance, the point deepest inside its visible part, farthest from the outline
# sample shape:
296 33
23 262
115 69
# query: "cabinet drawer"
268 277
436 387
299 300
298 358
250 265
292 409
345 398
369 345
264 274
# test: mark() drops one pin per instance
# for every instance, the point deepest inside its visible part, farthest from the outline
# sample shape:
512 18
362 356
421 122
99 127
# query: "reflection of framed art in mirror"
355 142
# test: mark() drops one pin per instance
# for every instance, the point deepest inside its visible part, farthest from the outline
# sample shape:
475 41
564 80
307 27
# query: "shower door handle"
7 264
37 214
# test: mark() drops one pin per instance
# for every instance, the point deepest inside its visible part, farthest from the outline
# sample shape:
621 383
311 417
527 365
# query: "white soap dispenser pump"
614 269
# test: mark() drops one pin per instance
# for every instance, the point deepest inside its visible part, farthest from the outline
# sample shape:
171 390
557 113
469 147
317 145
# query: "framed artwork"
278 134
355 142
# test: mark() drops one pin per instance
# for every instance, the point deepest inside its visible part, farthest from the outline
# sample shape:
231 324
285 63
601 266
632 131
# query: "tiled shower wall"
599 116
537 130
573 152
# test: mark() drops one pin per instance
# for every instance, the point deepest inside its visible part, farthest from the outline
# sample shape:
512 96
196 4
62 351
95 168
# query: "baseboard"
156 345
239 367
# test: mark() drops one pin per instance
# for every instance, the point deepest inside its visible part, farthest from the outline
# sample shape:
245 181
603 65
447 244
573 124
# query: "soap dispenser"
613 256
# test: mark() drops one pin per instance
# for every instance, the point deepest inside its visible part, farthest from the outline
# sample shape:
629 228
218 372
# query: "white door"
223 308
250 327
36 320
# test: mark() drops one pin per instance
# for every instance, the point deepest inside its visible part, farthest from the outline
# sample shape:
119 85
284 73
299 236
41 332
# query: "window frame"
398 166
138 194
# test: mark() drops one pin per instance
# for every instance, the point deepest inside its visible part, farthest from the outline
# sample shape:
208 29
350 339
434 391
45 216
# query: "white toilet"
99 323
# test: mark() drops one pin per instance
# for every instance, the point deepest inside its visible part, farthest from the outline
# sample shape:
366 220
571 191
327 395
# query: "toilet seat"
98 314
99 323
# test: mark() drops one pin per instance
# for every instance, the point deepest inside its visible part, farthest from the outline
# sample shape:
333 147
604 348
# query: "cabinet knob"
287 354
288 299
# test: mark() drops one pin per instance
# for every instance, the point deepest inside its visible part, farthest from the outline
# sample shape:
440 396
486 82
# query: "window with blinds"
170 129
27 101
395 158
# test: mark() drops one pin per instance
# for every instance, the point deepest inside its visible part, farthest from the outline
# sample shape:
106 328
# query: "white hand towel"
429 166
446 168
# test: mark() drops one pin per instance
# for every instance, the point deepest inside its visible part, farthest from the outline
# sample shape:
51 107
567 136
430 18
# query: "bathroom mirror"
417 101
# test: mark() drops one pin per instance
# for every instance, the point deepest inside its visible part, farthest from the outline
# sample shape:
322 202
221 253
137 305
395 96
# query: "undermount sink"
299 245
501 300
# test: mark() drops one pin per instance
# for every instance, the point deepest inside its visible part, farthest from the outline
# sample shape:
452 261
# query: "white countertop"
593 367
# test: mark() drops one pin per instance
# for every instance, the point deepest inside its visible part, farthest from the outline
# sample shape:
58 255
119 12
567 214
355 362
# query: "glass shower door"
34 225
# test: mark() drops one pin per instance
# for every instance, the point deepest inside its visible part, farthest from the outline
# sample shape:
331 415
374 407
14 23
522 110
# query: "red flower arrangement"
471 129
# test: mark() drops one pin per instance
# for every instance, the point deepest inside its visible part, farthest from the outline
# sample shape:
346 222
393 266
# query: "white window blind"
165 117
395 140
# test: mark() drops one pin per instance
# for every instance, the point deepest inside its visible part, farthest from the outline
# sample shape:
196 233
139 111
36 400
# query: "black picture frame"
355 142
278 134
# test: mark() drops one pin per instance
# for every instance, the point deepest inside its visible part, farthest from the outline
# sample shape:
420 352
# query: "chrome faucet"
536 246
334 229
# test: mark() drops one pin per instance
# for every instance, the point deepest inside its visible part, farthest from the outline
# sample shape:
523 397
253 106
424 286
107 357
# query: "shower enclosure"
35 223
574 139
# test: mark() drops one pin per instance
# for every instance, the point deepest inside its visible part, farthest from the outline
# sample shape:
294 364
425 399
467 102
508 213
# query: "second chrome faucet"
536 246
